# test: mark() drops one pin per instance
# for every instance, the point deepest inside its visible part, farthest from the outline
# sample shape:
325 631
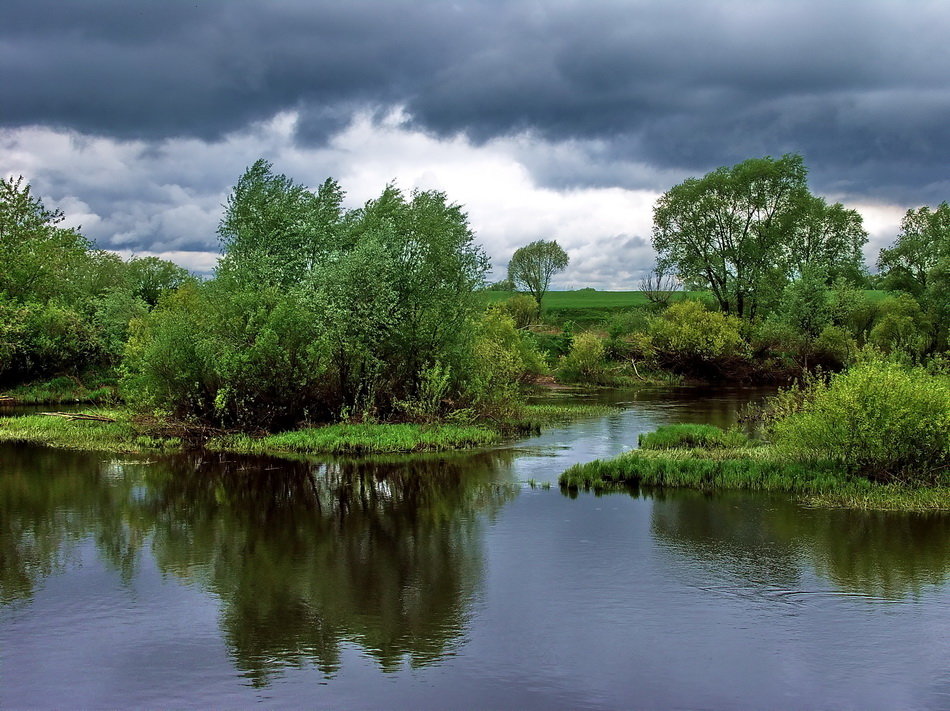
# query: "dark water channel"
446 582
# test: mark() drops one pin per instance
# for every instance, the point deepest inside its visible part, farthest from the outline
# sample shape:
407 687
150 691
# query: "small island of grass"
875 437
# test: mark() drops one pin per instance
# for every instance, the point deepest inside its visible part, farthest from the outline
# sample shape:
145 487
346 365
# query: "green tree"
532 266
39 259
150 277
826 237
744 231
275 231
923 243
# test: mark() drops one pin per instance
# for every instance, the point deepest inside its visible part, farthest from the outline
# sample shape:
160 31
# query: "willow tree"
532 267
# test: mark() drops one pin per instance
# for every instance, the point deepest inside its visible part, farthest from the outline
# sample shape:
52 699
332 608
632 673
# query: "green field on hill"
588 307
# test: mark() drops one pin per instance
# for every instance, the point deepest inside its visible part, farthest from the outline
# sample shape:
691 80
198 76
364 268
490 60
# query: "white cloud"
166 198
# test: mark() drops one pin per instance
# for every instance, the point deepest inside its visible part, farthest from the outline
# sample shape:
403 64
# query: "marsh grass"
819 483
123 435
688 436
361 439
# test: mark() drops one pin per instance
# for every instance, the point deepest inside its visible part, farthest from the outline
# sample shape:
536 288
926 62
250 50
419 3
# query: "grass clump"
361 439
123 435
705 469
685 436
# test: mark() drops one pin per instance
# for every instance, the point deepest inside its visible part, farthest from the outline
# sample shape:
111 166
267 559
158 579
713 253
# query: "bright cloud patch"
166 197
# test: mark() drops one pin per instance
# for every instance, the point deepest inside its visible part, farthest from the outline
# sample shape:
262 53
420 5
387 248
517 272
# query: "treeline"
776 282
320 313
64 305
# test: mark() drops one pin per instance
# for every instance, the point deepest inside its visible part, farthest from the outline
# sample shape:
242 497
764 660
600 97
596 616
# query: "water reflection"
304 557
759 538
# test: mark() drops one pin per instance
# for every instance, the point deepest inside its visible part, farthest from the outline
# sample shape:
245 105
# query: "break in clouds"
559 120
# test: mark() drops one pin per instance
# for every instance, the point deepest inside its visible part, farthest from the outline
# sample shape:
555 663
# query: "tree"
744 231
275 231
919 264
39 259
150 277
828 238
532 266
923 242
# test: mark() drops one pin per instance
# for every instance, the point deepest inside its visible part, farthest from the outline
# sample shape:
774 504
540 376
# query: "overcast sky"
546 118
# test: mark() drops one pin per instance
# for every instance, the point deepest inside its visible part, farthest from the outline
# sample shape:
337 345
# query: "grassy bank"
698 457
91 389
361 439
123 435
131 434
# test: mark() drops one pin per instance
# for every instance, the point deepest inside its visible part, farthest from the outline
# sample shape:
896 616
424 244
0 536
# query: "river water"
448 582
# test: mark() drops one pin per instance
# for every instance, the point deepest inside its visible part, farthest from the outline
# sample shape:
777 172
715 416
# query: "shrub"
835 348
502 357
691 340
522 308
879 419
37 340
585 362
246 358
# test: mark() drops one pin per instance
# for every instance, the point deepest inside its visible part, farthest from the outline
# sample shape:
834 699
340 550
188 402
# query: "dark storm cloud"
860 88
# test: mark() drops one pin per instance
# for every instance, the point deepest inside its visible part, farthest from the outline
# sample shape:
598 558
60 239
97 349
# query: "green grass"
756 468
688 436
89 389
361 439
123 435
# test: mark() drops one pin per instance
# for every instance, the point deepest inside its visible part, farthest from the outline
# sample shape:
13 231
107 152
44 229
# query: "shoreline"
127 433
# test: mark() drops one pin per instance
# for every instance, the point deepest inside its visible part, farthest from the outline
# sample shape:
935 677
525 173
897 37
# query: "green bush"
834 348
879 419
38 340
693 341
245 358
522 308
585 362
502 357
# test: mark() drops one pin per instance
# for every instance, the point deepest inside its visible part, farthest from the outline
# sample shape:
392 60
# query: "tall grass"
90 389
361 439
755 469
688 436
123 435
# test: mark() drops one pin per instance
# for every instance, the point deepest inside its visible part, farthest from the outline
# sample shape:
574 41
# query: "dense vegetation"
319 314
877 435
65 307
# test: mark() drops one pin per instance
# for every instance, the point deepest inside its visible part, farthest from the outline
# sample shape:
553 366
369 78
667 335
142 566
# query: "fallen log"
78 416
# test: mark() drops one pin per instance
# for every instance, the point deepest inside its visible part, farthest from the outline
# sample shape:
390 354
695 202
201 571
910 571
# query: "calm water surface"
446 582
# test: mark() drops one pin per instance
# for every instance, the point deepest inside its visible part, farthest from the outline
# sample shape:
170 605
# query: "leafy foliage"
878 419
532 267
744 231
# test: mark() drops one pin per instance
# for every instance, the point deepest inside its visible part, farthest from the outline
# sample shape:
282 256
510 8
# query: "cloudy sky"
551 119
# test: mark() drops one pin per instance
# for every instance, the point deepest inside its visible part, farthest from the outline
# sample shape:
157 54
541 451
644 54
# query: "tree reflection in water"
304 557
760 537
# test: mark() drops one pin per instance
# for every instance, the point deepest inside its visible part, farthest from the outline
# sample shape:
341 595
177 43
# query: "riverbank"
121 431
709 459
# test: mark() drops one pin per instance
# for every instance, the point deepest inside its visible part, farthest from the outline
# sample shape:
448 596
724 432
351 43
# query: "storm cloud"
582 95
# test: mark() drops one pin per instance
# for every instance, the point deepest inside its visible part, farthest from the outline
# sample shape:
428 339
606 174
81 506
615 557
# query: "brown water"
446 582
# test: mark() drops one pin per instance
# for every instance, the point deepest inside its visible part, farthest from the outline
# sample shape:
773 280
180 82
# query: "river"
449 582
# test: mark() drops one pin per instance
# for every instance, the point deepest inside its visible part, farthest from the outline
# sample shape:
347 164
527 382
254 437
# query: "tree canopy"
744 231
532 266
